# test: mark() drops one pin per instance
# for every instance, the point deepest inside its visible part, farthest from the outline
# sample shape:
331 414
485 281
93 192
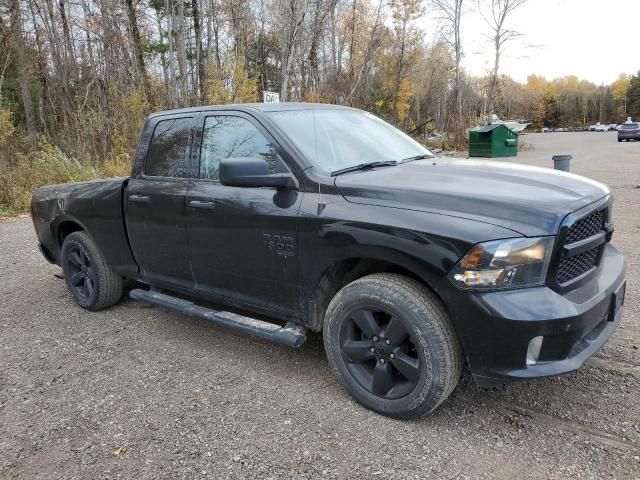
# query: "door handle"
140 198
208 204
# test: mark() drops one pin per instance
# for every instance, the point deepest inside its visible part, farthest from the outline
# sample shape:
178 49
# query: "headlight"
512 263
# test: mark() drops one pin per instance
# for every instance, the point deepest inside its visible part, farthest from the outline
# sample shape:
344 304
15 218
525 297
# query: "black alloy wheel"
90 279
380 353
82 273
392 345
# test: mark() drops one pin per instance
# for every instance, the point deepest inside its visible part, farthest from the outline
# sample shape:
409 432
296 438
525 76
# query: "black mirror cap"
252 172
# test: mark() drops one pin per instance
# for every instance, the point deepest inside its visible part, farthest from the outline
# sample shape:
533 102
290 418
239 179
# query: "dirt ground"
138 392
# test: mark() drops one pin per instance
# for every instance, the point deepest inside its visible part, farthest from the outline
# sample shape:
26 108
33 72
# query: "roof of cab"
262 107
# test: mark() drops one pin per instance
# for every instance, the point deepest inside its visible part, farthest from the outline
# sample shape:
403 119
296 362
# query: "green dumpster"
495 140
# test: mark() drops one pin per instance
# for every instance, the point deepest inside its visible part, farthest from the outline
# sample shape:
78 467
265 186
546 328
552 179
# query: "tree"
452 12
406 38
495 14
137 45
619 90
633 96
81 75
22 62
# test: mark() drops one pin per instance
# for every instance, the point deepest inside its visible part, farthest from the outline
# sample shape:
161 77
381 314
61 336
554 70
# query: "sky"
591 39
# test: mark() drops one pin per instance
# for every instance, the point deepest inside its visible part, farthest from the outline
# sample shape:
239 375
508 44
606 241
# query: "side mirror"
252 172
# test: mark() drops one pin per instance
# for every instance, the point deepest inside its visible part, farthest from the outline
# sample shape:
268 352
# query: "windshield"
338 139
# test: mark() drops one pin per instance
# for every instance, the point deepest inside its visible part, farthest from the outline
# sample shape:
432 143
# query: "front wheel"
392 345
89 278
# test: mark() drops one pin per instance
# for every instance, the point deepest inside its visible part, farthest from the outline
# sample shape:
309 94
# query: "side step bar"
290 336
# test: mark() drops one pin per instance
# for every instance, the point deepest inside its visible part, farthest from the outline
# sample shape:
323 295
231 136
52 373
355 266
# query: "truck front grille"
572 266
586 227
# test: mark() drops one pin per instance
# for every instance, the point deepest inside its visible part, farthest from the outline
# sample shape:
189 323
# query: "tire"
416 360
619 139
90 280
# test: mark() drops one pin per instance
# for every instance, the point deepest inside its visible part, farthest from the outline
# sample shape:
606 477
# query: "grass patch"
6 211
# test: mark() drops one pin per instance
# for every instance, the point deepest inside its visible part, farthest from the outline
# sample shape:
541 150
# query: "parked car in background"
629 131
601 128
613 127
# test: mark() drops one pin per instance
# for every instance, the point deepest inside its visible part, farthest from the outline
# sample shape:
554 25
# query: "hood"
528 200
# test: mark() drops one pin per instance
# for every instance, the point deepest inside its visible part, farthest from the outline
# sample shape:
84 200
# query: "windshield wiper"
422 156
364 166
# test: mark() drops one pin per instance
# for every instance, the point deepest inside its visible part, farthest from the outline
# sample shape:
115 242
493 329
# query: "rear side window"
227 136
168 150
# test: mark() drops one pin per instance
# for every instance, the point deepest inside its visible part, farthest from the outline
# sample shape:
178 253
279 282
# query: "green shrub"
41 164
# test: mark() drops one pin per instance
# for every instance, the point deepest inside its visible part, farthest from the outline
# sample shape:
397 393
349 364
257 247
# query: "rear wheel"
92 282
391 343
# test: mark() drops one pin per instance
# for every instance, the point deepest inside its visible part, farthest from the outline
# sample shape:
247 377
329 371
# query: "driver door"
243 241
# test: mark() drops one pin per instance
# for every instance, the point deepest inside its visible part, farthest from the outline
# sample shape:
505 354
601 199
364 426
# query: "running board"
291 335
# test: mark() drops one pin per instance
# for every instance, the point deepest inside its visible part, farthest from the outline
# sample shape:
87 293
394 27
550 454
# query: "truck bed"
96 206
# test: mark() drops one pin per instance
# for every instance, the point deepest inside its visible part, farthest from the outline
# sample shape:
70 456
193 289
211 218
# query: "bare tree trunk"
293 20
181 54
22 63
335 68
137 46
452 14
200 59
495 13
173 87
374 43
70 59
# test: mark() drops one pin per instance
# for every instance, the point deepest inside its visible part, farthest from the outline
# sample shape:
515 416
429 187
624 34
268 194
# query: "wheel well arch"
65 228
343 272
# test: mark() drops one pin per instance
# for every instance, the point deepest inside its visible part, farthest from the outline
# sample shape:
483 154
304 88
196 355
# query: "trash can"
562 162
495 140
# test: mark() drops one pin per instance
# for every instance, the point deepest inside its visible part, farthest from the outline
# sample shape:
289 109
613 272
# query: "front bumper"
496 327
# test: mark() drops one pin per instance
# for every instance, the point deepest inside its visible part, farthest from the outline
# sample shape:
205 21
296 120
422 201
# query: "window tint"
168 149
228 137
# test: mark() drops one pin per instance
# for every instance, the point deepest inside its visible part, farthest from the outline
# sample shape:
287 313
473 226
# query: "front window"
333 139
228 136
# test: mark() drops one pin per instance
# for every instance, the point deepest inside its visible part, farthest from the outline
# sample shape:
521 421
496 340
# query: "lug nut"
382 360
375 339
392 356
387 341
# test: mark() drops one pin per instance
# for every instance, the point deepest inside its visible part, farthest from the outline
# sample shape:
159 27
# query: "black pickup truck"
303 218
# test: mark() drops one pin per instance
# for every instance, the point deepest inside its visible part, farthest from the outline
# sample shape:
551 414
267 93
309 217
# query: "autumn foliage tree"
78 77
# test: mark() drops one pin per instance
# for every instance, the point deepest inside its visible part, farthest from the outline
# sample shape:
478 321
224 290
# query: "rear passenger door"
155 202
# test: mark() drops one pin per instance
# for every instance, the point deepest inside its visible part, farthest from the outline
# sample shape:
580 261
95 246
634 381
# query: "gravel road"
138 392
